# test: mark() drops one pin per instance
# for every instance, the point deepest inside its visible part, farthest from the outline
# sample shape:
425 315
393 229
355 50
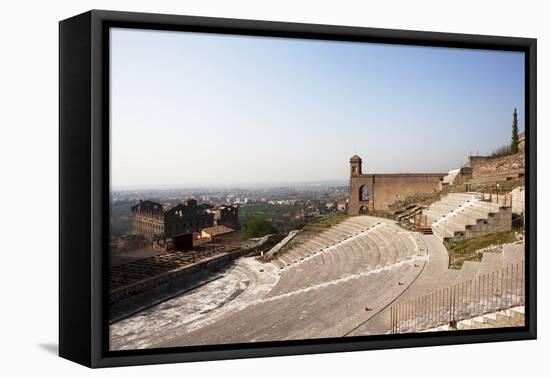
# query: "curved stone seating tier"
348 252
315 245
338 234
312 272
371 251
312 263
405 246
349 285
366 254
348 227
322 305
382 246
333 290
362 222
325 239
329 309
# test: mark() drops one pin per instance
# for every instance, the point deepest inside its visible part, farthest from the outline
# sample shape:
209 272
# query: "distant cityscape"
285 207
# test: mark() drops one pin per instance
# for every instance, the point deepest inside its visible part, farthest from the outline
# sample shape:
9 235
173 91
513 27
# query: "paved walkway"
435 268
194 309
437 276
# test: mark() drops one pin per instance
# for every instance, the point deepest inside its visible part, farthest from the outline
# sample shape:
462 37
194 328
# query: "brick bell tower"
355 185
355 166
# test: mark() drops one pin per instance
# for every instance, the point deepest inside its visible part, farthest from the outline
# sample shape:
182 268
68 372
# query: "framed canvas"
235 188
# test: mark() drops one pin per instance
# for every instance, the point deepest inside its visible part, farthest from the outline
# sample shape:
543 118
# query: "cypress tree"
514 147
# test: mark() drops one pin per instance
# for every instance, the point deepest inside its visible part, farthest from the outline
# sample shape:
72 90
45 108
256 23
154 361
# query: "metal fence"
487 293
518 222
420 220
500 198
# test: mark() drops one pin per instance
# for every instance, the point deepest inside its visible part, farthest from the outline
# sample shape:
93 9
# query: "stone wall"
355 203
386 189
416 199
518 200
488 166
155 281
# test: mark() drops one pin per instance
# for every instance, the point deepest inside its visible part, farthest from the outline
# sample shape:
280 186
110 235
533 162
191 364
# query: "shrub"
256 228
502 151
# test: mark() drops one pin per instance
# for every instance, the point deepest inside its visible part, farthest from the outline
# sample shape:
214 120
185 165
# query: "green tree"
257 228
514 146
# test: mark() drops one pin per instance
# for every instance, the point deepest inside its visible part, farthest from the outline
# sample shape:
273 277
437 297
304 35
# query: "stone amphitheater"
341 282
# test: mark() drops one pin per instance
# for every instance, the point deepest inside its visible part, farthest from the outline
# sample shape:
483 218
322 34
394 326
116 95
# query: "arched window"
363 210
364 193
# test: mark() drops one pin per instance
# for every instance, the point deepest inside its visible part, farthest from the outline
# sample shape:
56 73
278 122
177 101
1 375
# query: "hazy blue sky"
191 109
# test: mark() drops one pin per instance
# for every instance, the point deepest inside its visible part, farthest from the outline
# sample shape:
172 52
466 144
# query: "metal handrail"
487 293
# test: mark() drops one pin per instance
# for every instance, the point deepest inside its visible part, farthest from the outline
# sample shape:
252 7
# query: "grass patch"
323 224
332 220
465 250
257 228
381 214
502 151
419 199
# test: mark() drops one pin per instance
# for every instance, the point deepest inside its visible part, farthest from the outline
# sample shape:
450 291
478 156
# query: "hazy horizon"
198 110
245 186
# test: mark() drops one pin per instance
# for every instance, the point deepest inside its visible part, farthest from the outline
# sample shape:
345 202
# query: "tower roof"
355 158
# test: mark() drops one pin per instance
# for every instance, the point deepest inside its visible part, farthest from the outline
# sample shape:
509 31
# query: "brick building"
155 222
147 218
150 219
223 235
226 215
371 192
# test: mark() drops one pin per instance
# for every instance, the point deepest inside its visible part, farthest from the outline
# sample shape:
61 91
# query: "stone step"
464 196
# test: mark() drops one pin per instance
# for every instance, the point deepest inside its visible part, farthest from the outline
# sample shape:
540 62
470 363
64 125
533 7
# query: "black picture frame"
84 186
